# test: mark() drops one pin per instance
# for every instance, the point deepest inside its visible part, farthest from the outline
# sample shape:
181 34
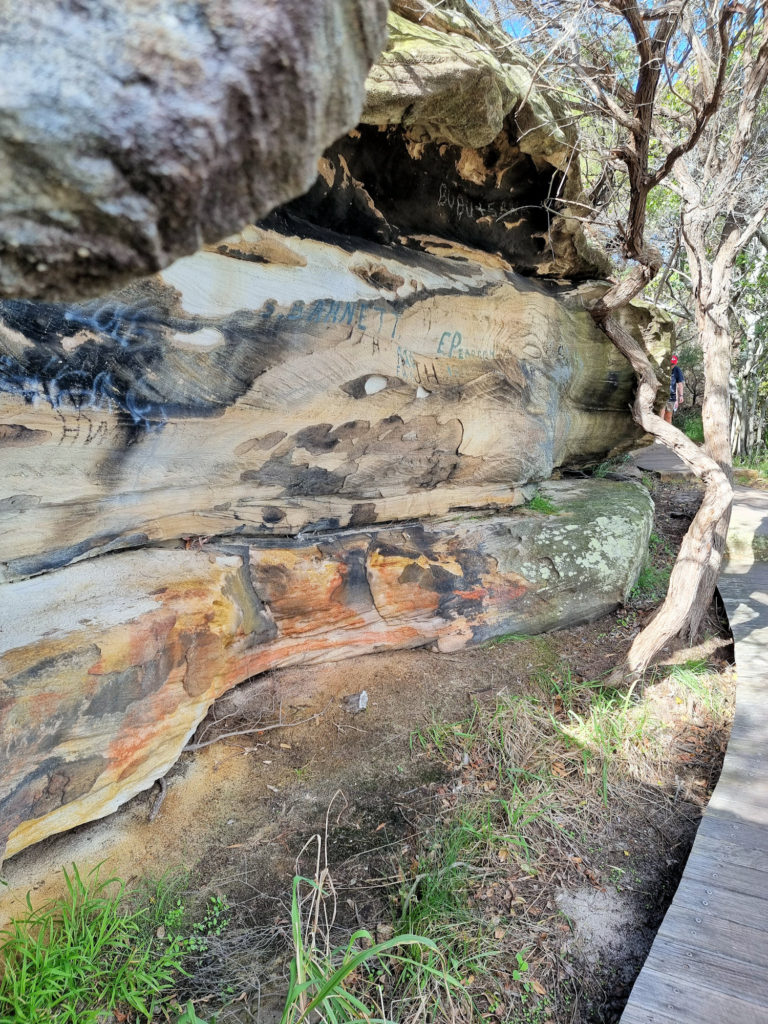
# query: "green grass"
359 981
445 737
653 580
602 732
539 503
757 460
84 955
504 638
651 584
610 465
696 678
432 899
689 421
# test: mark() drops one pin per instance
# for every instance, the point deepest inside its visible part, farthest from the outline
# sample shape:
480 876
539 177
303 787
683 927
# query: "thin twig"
256 730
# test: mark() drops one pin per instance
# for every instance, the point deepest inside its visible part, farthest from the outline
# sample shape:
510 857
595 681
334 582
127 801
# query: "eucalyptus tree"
674 90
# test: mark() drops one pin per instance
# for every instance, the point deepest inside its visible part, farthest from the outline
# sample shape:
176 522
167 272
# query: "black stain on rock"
374 188
363 514
272 515
316 439
49 785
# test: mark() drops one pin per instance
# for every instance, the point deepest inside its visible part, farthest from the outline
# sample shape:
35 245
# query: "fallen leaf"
499 933
380 827
285 746
503 855
538 988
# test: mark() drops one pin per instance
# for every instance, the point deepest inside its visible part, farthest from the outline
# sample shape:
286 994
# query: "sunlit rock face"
132 133
137 645
314 437
286 383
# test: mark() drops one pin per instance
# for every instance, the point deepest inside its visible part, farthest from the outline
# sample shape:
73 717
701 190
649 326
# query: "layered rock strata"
137 645
265 454
281 384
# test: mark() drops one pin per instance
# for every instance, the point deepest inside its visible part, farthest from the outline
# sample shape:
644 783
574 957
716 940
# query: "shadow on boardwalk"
709 961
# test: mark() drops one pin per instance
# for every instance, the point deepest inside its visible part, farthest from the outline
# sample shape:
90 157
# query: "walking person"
676 389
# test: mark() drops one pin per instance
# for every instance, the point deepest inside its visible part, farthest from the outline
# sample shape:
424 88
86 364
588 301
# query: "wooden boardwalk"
709 961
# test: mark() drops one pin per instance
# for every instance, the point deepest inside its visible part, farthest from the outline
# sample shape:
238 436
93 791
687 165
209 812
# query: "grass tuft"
602 469
689 421
539 503
653 580
84 955
696 680
360 980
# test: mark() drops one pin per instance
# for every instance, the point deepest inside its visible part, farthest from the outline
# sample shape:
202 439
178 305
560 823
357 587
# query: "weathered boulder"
137 645
132 133
262 455
458 140
286 383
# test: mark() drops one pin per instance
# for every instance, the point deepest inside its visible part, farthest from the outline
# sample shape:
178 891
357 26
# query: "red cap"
673 361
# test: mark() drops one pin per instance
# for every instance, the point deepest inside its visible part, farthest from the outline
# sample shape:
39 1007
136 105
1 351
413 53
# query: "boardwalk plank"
718 823
710 969
728 853
711 870
689 1002
723 903
683 924
709 961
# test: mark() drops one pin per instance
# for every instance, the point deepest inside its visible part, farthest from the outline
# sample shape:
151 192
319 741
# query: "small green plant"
346 983
189 1016
213 923
521 970
504 638
604 468
185 929
653 580
539 503
83 955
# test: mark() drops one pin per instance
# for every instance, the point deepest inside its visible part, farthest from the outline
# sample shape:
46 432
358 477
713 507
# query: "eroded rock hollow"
315 437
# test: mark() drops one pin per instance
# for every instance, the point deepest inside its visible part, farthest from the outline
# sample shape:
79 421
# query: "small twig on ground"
254 730
159 799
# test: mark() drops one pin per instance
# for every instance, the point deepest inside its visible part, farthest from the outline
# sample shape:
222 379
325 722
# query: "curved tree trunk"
694 574
712 324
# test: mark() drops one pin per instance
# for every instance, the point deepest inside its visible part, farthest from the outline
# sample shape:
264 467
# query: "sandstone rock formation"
132 133
458 140
137 645
266 453
284 384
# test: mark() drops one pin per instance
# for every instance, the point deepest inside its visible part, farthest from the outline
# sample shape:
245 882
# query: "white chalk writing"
462 206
